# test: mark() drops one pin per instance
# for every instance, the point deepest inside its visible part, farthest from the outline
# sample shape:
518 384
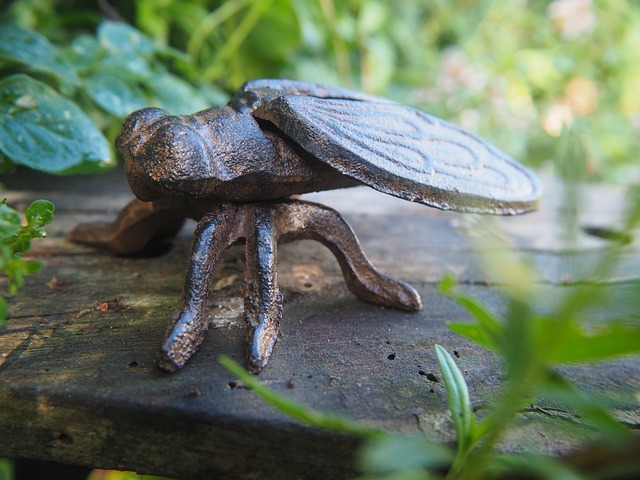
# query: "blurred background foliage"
518 72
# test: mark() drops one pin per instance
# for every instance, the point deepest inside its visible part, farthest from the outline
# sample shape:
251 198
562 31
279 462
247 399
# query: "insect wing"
264 87
406 153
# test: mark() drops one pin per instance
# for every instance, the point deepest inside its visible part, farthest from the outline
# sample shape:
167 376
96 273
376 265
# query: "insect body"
233 168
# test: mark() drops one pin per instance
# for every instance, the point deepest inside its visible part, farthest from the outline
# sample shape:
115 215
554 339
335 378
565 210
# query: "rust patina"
235 168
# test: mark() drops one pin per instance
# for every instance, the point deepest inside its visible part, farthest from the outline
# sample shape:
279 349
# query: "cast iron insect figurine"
235 167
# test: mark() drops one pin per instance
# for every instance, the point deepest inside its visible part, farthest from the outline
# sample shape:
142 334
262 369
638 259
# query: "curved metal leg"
215 233
136 225
262 225
262 298
297 220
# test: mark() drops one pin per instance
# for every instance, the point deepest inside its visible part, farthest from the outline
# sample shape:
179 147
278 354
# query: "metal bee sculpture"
234 169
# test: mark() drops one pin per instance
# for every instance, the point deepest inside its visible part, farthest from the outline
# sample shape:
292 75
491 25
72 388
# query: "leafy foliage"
15 240
518 73
43 130
532 338
54 102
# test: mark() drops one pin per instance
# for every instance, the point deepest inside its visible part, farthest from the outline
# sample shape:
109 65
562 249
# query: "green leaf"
3 310
116 95
558 388
84 53
128 51
40 213
531 466
618 236
464 420
475 308
475 333
29 267
489 331
10 221
123 38
31 49
293 409
45 131
21 243
447 284
16 240
175 95
606 342
390 454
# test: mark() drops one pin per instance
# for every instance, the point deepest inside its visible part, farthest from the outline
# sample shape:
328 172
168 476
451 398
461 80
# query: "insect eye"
136 123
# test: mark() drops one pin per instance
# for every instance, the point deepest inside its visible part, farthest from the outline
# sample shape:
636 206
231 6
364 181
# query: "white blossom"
457 72
572 18
557 117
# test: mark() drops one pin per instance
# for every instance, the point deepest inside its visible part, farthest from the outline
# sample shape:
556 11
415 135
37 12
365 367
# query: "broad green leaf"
18 45
175 95
84 53
579 345
45 131
116 95
128 51
123 38
475 308
390 454
40 213
490 330
10 221
475 333
462 415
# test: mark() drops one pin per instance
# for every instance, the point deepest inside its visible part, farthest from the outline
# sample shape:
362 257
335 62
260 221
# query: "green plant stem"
295 410
339 46
209 24
235 40
491 431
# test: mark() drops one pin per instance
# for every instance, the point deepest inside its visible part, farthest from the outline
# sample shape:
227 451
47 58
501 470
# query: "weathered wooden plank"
78 382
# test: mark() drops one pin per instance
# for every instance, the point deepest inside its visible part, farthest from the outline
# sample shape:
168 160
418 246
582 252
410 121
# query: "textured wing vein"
407 153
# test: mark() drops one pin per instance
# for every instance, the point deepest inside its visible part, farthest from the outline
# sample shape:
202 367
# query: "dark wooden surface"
78 382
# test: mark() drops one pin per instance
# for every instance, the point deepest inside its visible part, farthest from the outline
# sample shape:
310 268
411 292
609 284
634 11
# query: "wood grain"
78 383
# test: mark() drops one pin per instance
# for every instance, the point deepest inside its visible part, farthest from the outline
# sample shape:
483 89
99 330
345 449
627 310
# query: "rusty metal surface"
260 226
274 139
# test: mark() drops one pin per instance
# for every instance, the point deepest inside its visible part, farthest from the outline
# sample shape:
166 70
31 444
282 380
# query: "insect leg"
214 234
262 297
306 220
136 225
